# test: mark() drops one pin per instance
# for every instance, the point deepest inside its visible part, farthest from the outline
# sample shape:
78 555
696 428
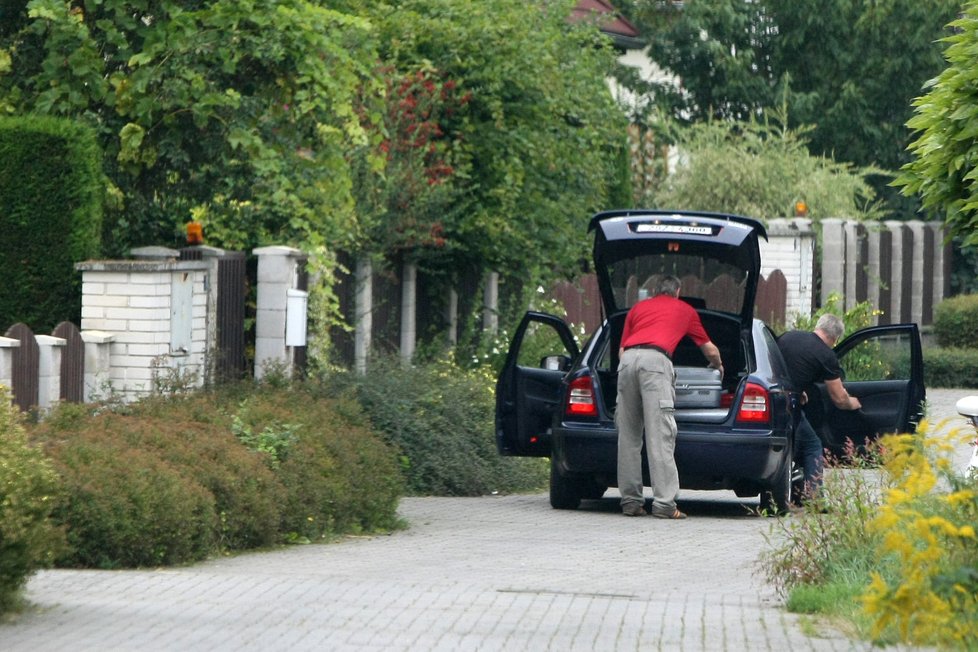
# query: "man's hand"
840 397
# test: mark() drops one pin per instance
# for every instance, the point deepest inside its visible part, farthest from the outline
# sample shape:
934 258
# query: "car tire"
565 493
776 499
593 490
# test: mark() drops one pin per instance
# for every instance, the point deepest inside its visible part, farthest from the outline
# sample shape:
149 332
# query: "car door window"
541 342
887 357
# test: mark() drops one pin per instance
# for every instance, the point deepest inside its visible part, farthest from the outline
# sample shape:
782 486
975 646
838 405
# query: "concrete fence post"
7 346
49 370
834 258
879 272
278 275
921 262
942 262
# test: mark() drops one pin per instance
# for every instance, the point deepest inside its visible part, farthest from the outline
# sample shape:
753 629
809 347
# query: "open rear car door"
883 367
528 391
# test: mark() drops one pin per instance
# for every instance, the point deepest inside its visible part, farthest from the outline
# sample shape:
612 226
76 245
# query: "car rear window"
706 283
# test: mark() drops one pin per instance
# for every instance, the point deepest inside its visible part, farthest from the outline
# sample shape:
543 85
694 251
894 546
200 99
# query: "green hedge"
956 322
51 194
173 480
950 367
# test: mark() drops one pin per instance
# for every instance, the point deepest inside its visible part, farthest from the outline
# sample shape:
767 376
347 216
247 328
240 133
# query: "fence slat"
72 362
24 376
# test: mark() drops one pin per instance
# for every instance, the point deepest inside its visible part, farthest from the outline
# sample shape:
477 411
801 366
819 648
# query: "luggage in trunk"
697 387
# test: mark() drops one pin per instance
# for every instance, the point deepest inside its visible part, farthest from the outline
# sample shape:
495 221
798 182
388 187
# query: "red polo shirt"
662 320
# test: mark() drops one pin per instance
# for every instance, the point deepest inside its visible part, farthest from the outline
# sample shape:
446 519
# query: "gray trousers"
646 401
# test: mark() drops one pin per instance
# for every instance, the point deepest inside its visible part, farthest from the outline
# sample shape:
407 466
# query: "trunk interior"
726 333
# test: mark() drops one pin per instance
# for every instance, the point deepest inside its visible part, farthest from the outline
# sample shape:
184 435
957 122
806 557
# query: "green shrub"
950 367
956 322
441 419
178 478
180 437
29 489
127 507
339 476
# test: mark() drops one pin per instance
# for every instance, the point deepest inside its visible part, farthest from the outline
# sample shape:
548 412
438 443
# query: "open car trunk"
725 331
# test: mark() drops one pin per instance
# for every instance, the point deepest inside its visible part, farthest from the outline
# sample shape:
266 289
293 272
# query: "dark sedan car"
555 400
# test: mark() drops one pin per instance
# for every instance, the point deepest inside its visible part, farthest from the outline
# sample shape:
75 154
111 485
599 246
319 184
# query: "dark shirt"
809 359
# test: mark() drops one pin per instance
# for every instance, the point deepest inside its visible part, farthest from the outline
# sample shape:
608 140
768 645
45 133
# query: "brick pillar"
156 308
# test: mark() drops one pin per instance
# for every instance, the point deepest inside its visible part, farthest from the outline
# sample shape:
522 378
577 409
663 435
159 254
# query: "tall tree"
850 68
537 144
243 109
944 169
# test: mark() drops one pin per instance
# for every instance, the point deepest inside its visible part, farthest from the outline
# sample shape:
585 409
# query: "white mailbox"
296 308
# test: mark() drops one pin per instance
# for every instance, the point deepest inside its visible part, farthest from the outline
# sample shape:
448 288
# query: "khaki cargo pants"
646 402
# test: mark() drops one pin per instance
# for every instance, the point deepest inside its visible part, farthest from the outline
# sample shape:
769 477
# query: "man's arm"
712 354
840 397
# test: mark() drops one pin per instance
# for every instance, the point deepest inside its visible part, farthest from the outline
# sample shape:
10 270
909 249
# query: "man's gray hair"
831 325
668 285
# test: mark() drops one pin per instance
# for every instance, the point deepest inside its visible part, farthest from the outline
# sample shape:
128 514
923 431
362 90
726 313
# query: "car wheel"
565 493
593 489
776 499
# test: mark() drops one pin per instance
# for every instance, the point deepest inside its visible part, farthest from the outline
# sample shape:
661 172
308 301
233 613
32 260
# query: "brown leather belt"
649 346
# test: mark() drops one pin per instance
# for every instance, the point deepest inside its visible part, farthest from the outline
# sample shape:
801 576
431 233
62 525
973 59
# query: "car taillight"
580 398
755 406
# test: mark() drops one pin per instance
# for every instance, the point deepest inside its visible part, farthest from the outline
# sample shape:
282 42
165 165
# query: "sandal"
676 515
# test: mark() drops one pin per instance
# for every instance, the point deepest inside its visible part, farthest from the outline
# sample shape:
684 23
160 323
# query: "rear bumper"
706 458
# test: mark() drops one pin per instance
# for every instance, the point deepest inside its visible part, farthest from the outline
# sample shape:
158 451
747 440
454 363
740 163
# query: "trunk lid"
716 257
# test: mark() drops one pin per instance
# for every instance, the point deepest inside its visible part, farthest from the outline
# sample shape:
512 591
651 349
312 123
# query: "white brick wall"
130 300
791 248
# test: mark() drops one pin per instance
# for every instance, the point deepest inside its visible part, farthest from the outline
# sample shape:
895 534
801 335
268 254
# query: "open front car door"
883 367
528 391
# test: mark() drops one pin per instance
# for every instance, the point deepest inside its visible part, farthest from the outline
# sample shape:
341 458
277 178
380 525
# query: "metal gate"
229 360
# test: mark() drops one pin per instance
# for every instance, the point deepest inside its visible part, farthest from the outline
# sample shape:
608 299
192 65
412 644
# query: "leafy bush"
926 522
956 322
441 419
28 492
950 367
127 507
894 552
762 170
170 480
339 476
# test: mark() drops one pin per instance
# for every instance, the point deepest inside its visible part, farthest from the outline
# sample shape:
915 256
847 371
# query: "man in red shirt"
647 396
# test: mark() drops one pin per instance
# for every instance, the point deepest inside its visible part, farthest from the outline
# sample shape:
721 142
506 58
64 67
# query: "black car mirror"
555 362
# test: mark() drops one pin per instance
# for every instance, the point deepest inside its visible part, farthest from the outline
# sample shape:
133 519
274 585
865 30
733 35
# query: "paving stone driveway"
490 573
